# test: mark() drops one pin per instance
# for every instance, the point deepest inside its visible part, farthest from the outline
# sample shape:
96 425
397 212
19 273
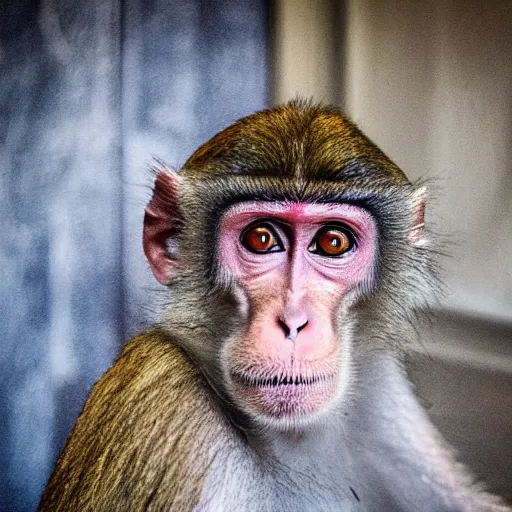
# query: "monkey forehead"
296 213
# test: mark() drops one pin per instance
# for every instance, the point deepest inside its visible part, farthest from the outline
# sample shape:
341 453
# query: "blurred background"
91 91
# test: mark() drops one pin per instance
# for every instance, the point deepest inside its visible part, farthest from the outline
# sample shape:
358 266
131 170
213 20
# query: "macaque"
296 260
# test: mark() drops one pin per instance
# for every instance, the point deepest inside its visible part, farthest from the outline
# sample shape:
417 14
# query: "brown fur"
296 140
119 457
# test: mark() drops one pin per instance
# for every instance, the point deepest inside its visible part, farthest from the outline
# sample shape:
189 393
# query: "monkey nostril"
302 326
285 328
291 333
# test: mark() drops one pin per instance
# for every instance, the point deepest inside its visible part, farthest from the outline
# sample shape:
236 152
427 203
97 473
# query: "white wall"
304 60
430 83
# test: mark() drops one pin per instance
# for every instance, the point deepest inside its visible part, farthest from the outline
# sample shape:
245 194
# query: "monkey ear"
417 229
161 220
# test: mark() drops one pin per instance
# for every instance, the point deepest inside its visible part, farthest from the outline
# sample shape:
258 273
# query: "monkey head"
288 242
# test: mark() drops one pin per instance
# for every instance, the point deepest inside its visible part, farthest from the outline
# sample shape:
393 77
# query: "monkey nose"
292 329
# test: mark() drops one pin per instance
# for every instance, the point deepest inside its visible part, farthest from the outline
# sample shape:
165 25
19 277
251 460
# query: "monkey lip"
285 396
281 380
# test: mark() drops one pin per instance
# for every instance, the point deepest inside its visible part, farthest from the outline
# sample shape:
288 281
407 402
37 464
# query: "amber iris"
260 239
334 242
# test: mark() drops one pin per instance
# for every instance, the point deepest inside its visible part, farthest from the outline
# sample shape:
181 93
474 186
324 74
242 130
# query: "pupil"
263 239
335 242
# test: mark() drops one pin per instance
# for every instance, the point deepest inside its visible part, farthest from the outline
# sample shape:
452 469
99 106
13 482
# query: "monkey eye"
332 241
261 239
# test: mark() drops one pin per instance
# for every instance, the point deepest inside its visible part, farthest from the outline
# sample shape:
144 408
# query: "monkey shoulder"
152 379
144 438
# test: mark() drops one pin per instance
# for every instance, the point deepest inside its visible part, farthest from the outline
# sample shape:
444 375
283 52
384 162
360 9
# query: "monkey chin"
285 402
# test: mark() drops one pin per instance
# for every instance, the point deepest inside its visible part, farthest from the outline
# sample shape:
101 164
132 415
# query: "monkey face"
267 239
299 267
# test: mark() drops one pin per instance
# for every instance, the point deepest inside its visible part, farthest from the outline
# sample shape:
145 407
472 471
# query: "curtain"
90 93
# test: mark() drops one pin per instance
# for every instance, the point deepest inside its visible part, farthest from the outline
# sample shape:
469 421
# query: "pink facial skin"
294 299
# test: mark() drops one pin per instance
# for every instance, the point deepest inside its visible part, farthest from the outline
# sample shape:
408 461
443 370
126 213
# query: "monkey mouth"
284 396
281 380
